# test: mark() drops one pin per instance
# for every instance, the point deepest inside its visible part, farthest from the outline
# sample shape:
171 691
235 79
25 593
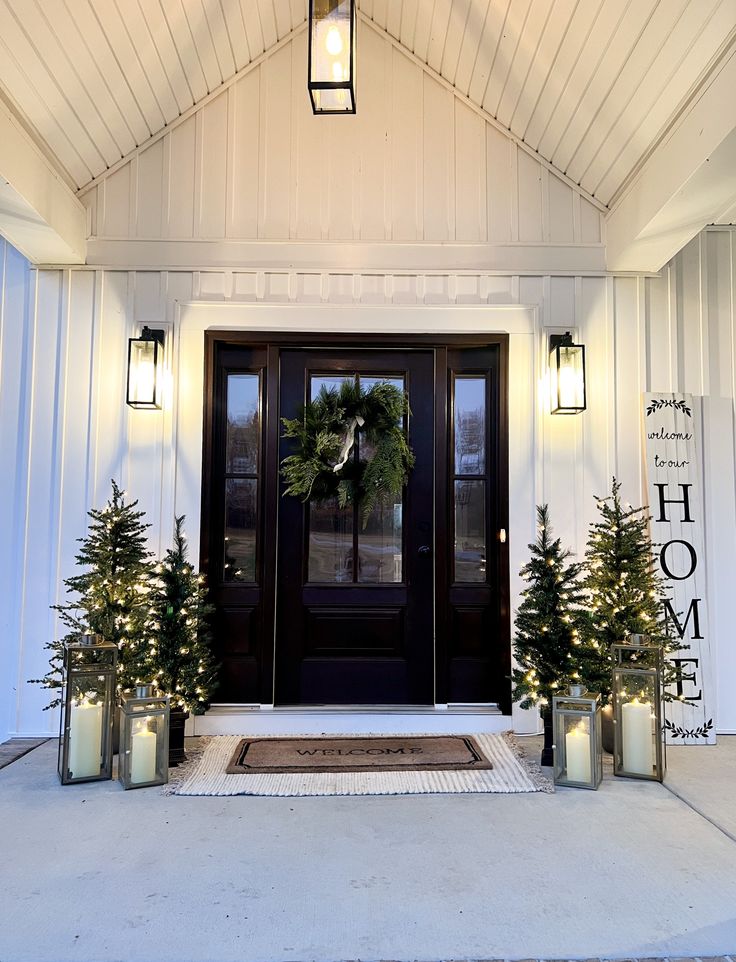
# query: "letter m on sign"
681 627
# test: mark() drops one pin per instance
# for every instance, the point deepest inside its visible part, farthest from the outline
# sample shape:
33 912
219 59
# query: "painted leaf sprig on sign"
677 731
325 465
656 404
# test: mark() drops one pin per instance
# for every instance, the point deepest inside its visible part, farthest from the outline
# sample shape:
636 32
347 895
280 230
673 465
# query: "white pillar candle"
85 740
577 754
636 736
143 756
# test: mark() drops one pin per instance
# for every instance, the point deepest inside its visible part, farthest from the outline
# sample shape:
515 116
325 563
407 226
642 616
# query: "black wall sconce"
566 375
144 386
332 47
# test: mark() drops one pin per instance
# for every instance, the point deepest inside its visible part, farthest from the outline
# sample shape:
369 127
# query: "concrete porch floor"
94 873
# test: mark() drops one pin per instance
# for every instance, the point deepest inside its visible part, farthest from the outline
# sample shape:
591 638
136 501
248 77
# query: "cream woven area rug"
205 774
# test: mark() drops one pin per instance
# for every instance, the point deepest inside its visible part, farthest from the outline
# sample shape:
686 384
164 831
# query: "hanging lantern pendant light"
331 81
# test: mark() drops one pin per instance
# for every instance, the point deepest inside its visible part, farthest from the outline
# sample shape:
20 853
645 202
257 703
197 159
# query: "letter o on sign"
666 568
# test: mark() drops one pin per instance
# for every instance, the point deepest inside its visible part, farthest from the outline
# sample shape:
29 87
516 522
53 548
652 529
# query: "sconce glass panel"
145 362
566 375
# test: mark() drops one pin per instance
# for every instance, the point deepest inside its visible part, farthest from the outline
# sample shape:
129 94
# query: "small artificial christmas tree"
111 594
180 659
548 622
626 594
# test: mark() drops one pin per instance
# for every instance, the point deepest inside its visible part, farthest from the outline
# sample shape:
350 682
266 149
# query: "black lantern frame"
152 341
566 359
320 88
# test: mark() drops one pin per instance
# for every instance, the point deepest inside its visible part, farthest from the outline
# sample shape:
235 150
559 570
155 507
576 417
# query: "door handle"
424 551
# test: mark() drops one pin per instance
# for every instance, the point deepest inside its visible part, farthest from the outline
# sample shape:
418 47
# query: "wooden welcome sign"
674 483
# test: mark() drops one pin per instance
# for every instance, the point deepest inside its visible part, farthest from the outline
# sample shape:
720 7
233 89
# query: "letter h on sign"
684 500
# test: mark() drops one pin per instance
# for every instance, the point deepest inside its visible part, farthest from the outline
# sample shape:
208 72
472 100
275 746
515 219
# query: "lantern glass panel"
567 379
578 754
144 741
636 716
332 56
637 709
85 743
144 375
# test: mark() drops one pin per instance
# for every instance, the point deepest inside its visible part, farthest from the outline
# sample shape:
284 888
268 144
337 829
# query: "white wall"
66 431
417 163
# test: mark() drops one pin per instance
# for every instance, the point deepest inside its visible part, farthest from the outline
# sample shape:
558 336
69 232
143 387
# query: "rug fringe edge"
533 769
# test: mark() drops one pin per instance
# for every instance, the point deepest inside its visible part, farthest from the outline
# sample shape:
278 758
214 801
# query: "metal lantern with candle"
144 738
578 750
638 750
88 701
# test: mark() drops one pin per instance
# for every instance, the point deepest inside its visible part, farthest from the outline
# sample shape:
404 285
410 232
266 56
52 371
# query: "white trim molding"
345 256
196 317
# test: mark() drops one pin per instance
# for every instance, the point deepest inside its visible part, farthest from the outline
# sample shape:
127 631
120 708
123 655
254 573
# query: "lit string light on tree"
548 625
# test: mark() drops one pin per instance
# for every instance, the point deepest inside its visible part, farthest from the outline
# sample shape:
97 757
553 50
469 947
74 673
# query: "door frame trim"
439 342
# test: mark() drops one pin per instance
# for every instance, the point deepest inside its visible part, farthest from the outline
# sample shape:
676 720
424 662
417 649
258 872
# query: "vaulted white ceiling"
592 85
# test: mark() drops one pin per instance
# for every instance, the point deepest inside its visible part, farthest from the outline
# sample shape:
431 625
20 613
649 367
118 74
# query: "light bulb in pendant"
333 42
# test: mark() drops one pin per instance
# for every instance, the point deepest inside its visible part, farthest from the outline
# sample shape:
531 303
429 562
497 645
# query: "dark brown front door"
355 617
312 608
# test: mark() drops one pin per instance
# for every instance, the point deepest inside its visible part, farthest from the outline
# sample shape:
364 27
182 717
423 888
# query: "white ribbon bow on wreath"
347 444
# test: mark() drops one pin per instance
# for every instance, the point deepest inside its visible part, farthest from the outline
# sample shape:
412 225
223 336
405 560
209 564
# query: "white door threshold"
348 720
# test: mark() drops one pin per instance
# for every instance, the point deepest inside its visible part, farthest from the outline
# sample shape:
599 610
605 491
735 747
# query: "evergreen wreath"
324 465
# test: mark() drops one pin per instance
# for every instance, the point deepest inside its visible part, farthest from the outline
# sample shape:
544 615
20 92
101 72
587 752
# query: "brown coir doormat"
417 753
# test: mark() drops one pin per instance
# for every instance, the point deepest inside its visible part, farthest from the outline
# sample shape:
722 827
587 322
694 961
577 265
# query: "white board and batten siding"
418 163
66 430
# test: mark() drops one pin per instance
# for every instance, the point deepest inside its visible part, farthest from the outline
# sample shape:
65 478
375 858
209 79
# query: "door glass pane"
330 542
240 529
470 531
470 425
380 558
379 545
243 424
367 382
331 382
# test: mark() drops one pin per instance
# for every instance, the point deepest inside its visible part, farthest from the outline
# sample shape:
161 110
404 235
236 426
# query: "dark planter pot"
176 736
607 728
547 750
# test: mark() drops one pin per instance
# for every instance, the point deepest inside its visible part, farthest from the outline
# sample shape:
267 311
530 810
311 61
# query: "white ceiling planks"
590 85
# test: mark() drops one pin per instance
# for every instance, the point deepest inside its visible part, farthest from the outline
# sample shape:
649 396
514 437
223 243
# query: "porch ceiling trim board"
39 214
346 256
685 184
